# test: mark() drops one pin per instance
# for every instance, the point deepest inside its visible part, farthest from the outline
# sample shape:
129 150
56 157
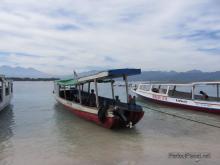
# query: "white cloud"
142 34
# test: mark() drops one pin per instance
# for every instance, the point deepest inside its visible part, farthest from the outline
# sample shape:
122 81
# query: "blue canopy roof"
121 72
108 74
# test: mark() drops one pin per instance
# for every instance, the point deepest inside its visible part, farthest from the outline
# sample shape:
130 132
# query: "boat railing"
73 95
188 96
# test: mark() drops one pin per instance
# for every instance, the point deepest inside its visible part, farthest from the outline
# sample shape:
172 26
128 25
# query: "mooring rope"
185 118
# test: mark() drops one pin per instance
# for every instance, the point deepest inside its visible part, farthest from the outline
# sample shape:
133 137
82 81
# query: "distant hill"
172 76
22 72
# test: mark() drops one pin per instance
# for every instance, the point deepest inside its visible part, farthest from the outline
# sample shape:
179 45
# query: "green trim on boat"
67 82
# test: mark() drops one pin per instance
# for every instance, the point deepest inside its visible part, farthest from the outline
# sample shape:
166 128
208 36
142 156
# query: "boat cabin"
85 91
208 91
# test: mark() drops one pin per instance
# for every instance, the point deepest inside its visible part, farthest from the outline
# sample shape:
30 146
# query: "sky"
59 36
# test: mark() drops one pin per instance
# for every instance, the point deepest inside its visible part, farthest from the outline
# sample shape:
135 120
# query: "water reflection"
6 132
86 142
6 123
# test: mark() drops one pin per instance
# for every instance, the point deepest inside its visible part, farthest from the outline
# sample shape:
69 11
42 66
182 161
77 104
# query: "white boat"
202 96
6 92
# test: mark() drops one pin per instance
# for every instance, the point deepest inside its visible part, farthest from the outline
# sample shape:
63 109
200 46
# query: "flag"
75 74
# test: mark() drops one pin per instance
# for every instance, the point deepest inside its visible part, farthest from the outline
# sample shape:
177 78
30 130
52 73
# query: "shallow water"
38 131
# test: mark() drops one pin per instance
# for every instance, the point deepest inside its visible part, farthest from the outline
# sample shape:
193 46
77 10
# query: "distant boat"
195 96
107 112
6 92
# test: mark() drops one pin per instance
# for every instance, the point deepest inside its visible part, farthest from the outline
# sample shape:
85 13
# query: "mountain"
22 72
172 76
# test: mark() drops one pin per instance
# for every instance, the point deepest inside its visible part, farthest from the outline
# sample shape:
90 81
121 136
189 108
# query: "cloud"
61 35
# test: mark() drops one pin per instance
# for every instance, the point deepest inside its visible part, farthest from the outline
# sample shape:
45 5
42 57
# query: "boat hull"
111 120
182 103
5 102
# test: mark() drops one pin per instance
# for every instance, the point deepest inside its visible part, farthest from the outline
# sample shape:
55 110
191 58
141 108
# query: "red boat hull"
110 122
202 109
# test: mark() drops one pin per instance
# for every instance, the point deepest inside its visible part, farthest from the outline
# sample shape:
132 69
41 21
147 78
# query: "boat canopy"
101 77
109 74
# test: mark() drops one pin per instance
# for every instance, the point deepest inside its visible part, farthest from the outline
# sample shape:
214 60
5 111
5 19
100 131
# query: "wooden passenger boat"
202 96
107 112
6 92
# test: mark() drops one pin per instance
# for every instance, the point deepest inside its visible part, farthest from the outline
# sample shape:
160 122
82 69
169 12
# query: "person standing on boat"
92 99
129 99
134 100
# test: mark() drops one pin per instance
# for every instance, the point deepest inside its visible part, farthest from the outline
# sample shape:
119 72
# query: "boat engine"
120 114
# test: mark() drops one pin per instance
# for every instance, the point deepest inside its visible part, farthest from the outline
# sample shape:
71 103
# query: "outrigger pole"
193 90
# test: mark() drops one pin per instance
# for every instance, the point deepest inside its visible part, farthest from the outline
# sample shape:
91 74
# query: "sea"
36 130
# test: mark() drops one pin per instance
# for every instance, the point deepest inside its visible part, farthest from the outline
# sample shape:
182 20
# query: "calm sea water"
35 130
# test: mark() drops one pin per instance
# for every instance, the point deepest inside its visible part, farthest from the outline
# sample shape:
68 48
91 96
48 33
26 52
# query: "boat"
78 96
201 96
6 92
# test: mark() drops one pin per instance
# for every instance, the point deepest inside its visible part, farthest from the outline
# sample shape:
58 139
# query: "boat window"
145 87
207 92
1 90
85 87
183 92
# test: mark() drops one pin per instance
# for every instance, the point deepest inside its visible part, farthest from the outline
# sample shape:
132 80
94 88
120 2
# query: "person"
92 99
129 99
135 87
155 90
204 95
134 100
117 100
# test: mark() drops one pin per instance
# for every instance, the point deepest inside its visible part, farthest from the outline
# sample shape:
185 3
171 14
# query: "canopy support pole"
193 90
113 94
217 91
168 89
65 92
126 86
80 97
96 92
89 87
